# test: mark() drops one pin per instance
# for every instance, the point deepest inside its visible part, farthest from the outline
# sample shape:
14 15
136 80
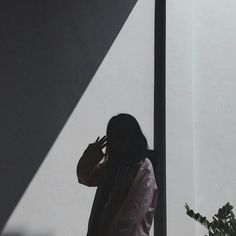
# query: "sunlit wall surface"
201 110
179 130
214 105
54 204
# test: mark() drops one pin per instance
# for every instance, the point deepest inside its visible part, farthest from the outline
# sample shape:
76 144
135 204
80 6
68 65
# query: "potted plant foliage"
223 224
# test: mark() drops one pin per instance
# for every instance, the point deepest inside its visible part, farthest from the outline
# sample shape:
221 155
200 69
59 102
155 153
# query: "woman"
126 196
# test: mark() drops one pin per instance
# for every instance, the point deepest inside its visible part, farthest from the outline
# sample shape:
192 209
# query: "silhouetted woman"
126 196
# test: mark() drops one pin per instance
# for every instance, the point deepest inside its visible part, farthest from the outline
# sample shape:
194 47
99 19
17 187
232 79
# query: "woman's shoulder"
145 170
146 165
145 175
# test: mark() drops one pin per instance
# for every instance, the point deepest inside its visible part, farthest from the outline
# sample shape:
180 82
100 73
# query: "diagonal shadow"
50 51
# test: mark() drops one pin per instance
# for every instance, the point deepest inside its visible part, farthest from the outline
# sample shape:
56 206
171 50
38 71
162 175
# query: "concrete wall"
179 129
55 204
201 110
214 71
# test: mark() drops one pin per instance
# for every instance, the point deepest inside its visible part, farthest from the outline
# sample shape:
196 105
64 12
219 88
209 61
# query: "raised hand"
89 168
94 150
101 143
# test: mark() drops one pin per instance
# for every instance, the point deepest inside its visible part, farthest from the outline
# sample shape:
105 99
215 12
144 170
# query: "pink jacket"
136 212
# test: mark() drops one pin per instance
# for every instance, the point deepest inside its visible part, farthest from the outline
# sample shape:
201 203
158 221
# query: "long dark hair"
125 127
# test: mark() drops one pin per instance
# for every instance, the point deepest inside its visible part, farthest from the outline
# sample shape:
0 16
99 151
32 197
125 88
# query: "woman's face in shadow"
118 144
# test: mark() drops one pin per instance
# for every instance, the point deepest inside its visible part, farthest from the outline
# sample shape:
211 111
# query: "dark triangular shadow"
50 51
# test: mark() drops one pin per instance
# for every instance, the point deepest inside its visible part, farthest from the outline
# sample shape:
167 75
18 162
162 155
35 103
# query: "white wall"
201 109
54 203
214 104
179 128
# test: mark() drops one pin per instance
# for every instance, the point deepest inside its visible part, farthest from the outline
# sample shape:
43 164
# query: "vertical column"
159 116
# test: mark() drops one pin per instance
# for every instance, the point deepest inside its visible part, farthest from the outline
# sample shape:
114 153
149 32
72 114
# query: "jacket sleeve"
90 169
140 200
